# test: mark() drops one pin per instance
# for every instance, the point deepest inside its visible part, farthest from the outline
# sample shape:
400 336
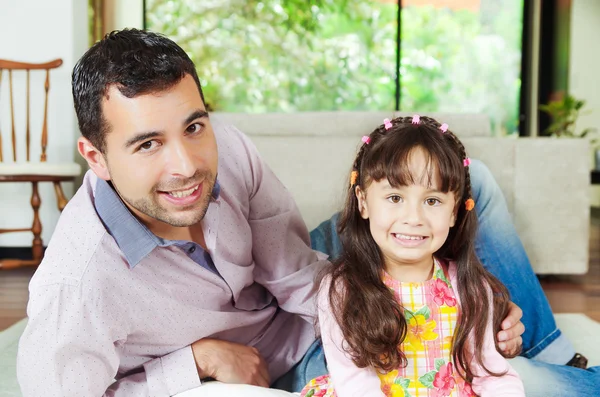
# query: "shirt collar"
134 239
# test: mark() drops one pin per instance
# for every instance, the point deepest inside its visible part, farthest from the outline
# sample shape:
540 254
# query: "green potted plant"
564 114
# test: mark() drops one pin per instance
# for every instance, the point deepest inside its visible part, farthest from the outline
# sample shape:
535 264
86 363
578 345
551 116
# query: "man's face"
161 153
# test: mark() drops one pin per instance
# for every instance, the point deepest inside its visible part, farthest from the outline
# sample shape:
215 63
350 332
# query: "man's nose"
180 160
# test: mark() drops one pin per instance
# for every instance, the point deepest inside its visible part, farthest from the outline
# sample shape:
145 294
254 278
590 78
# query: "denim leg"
324 238
549 380
311 366
502 253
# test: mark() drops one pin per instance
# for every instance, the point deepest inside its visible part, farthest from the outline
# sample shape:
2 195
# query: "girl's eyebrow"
430 189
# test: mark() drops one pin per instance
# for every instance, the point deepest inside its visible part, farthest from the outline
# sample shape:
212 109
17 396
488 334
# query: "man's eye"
196 127
147 146
395 199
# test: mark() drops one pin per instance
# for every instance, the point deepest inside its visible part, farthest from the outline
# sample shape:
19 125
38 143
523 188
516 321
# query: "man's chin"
183 220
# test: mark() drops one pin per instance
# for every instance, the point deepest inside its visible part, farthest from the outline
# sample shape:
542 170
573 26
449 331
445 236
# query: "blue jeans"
501 252
312 365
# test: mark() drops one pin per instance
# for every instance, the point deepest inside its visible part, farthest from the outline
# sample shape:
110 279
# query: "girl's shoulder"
449 268
325 287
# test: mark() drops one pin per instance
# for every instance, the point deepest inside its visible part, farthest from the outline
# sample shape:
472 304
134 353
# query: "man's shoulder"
78 241
238 157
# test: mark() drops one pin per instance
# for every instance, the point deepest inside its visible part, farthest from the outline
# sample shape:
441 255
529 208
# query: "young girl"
408 309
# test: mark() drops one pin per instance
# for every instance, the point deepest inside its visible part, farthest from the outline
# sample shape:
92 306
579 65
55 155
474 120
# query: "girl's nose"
413 214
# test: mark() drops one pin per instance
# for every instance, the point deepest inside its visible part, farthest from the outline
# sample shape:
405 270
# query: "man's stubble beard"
150 206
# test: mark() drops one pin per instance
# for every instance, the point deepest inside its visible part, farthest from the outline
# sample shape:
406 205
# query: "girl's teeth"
403 237
184 193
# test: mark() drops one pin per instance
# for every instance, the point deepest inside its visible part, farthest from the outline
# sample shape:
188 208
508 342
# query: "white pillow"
218 389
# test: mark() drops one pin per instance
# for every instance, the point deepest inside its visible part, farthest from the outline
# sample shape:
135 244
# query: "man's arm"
285 263
70 348
230 362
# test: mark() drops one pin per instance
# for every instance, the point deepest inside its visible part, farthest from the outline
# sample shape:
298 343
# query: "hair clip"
444 128
416 119
366 139
467 162
469 204
353 178
387 123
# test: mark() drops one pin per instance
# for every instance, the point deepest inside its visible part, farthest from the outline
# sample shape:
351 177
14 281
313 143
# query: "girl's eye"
395 199
194 128
432 202
147 146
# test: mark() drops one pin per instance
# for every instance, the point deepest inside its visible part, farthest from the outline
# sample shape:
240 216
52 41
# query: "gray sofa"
545 181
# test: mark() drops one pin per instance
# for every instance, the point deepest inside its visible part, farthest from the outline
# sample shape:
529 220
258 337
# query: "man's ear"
94 158
362 202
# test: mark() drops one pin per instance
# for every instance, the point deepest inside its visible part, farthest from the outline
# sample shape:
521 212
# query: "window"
294 55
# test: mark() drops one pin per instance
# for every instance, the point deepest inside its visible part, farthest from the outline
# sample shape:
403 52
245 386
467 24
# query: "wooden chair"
31 171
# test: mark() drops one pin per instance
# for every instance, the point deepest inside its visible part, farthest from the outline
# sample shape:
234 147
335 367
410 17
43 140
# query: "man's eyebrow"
198 114
142 136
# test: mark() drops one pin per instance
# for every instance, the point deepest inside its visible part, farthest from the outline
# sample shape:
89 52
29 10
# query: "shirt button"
192 249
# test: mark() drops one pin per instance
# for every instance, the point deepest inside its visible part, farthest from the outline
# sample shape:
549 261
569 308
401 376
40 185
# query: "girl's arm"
486 385
348 380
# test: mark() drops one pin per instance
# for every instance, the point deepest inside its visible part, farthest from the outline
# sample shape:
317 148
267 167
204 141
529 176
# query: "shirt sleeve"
285 263
348 380
486 385
70 348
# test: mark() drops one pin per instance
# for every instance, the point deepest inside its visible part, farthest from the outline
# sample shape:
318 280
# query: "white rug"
9 340
582 331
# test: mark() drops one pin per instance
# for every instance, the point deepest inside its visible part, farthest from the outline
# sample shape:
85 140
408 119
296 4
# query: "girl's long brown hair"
370 318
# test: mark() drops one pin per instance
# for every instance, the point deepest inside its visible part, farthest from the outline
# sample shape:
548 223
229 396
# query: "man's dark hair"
137 62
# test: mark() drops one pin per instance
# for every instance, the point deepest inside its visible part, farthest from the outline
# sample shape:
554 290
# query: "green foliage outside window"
299 55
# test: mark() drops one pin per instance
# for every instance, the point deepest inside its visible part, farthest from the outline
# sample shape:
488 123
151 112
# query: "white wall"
39 31
584 75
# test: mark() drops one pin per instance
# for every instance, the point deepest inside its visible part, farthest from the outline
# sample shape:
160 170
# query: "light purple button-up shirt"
96 315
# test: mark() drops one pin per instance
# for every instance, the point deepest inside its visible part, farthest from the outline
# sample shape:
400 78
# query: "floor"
581 294
567 294
13 295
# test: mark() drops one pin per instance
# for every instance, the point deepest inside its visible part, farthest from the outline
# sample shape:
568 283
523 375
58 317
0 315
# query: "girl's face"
408 223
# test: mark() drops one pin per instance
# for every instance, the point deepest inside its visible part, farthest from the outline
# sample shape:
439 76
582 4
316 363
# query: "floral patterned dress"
431 311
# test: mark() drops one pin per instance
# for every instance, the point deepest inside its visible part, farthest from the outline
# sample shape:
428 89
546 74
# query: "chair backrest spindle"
0 118
45 125
28 131
27 67
12 116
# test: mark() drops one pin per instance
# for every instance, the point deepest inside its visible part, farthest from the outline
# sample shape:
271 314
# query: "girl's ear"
362 202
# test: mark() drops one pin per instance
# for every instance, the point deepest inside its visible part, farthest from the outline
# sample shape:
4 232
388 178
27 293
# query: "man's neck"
189 233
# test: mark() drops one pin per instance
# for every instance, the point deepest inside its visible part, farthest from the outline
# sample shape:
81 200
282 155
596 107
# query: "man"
181 257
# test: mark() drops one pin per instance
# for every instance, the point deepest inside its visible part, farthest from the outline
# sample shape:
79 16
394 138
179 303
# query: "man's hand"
230 362
509 337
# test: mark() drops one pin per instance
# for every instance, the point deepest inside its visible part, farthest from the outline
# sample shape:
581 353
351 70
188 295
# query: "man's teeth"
405 237
184 193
